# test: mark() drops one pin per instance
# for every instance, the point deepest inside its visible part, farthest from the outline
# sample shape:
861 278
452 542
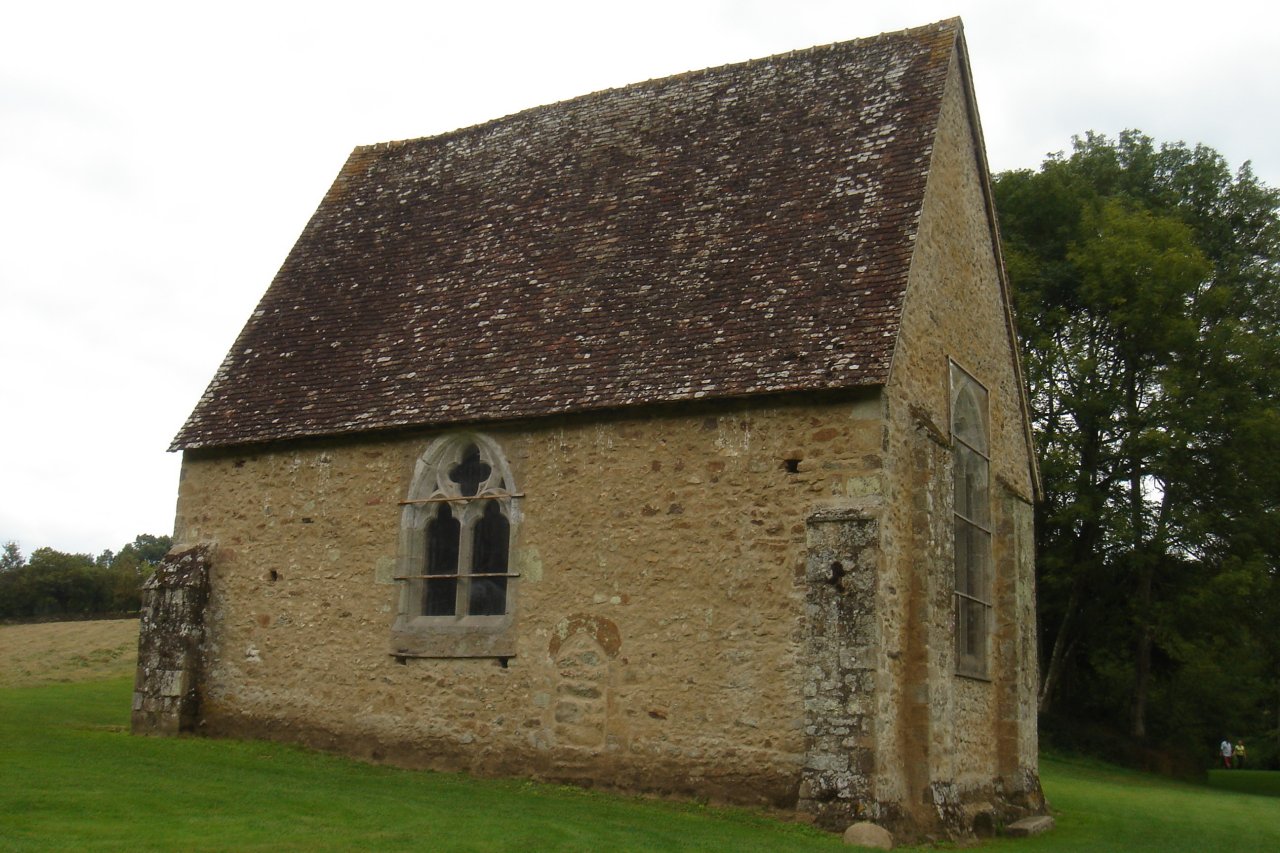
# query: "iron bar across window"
459 575
489 497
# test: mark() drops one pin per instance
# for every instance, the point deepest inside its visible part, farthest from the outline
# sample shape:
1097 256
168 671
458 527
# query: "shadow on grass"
1264 783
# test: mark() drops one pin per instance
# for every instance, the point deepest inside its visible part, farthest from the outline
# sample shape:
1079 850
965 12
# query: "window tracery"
457 597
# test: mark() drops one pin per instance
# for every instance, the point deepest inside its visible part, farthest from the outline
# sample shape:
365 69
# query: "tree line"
1148 301
52 584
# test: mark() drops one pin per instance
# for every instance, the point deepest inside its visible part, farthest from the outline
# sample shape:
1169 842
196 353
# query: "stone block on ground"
868 835
1028 826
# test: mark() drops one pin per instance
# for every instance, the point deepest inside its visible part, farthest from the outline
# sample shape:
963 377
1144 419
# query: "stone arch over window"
971 466
457 524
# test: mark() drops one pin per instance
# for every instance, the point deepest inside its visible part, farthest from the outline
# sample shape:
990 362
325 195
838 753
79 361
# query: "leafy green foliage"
11 558
52 583
1148 295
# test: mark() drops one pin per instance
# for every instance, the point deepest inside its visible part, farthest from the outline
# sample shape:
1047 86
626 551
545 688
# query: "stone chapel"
668 439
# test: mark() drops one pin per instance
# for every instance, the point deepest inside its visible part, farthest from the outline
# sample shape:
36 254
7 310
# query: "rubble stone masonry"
660 606
166 698
958 751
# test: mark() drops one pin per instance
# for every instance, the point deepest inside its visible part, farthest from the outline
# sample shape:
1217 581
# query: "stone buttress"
166 693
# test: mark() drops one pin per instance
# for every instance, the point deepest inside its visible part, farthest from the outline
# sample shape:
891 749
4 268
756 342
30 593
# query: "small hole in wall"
502 662
402 660
306 520
792 466
273 576
837 572
239 463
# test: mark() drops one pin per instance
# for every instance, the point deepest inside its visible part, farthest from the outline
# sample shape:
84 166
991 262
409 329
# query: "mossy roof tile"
742 230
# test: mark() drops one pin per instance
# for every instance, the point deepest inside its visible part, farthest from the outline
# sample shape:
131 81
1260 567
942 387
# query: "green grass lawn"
1246 781
72 778
1101 807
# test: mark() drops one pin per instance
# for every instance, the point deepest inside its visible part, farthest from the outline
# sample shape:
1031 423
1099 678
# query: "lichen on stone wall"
841 643
166 695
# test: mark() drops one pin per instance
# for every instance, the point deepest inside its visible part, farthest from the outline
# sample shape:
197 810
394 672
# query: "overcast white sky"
157 161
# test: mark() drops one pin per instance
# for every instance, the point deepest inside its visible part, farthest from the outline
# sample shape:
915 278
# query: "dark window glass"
972 498
470 472
961 485
971 492
972 547
971 632
976 634
964 554
443 534
968 423
489 556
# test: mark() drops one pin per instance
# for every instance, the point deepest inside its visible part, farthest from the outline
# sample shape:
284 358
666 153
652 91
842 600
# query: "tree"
11 558
131 565
53 583
1145 281
62 584
151 549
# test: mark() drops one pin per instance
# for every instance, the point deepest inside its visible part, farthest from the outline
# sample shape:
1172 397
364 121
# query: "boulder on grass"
866 834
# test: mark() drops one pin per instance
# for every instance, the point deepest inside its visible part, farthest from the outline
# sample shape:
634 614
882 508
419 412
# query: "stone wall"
960 750
841 654
167 686
660 610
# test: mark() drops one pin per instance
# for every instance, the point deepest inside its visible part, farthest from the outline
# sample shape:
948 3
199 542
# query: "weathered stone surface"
949 745
655 652
166 698
1034 825
867 834
841 648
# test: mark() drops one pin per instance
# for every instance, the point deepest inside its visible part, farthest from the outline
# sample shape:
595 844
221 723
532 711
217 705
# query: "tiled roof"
736 231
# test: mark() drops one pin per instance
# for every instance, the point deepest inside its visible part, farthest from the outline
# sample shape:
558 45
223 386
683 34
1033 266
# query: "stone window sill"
452 637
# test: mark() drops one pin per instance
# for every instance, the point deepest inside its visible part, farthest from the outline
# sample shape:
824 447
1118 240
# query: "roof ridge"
951 25
729 232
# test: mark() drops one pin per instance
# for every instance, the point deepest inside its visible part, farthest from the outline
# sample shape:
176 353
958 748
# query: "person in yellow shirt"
1238 754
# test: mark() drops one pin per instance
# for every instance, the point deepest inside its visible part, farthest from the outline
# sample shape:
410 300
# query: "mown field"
60 652
73 778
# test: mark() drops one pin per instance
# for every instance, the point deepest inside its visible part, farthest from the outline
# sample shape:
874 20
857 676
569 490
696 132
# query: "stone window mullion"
461 479
466 548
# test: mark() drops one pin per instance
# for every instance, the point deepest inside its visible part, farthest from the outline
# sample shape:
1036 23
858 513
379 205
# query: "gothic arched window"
971 464
455 547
